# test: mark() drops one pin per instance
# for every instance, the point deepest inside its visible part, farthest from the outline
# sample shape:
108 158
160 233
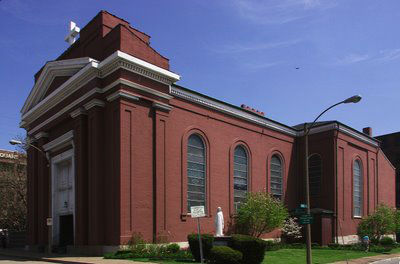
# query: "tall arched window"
276 177
196 172
314 174
240 176
357 189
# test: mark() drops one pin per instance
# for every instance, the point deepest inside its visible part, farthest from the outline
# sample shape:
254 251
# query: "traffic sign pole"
201 245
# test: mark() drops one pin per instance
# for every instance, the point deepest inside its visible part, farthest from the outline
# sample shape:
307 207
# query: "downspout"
335 167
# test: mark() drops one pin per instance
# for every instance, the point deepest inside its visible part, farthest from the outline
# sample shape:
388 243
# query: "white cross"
73 32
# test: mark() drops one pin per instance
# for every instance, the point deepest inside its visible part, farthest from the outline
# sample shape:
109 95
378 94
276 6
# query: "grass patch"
319 256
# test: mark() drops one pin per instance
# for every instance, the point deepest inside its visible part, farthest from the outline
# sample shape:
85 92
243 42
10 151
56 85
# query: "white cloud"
353 58
386 55
279 11
248 47
260 65
389 55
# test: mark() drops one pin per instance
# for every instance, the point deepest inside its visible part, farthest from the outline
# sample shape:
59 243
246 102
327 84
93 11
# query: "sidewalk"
370 259
67 259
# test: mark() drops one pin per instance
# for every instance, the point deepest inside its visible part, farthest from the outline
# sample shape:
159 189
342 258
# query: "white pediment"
50 71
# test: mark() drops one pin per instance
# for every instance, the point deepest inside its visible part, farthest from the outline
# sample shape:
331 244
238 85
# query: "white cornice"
93 103
59 142
143 88
92 70
122 94
41 135
65 109
51 70
162 106
77 112
139 66
207 102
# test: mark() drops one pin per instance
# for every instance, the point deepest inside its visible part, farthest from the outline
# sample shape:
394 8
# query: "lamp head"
353 99
15 142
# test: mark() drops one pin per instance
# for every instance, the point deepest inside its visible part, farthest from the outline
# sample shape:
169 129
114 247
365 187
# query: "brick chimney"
368 131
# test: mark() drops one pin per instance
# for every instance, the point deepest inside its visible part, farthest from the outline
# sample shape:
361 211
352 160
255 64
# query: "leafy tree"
291 230
383 221
259 214
13 200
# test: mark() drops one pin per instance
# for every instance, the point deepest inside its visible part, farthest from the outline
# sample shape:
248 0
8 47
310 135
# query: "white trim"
69 154
162 106
93 103
58 95
358 135
195 98
59 142
41 135
143 88
122 94
65 109
51 70
77 112
93 69
148 69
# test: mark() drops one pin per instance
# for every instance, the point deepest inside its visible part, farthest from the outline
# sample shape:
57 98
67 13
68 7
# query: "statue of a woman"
219 223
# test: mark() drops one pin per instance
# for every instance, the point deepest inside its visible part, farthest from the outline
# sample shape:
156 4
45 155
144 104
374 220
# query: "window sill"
357 217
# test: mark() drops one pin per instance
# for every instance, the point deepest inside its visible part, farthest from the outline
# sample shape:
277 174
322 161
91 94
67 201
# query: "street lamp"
307 129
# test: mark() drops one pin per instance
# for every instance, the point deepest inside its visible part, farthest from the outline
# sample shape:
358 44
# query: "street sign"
197 211
306 219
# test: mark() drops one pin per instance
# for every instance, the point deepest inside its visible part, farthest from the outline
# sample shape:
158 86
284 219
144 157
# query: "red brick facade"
128 125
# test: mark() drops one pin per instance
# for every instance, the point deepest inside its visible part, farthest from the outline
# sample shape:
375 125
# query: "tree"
259 214
382 222
13 197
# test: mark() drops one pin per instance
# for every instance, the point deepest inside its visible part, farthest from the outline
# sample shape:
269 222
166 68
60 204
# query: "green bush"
272 245
206 241
173 248
379 249
387 241
253 249
225 255
334 245
260 213
382 221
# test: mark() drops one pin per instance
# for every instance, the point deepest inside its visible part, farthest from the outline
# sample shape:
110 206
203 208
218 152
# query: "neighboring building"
131 151
390 145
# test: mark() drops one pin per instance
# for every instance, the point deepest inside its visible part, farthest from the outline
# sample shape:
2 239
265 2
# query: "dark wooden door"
66 230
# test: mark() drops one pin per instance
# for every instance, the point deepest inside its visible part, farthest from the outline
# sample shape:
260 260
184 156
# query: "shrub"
173 248
225 255
379 249
291 230
386 241
206 241
334 245
381 222
260 213
272 246
253 249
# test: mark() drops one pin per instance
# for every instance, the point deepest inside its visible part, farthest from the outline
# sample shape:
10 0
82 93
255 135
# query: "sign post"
197 212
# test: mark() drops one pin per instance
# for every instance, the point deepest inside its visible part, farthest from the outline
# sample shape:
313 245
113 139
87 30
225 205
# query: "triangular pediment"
53 75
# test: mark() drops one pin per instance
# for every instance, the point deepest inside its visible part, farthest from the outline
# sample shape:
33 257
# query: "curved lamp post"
307 129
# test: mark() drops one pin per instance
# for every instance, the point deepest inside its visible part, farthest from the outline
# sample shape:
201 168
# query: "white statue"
219 223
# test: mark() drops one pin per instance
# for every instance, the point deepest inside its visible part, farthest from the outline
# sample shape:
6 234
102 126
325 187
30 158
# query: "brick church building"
129 151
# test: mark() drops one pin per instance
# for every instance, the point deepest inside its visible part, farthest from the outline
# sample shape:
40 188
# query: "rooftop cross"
73 32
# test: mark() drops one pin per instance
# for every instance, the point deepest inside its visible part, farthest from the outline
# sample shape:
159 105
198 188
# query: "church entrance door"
63 199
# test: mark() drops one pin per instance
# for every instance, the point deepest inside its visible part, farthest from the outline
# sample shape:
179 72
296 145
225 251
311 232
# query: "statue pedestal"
222 241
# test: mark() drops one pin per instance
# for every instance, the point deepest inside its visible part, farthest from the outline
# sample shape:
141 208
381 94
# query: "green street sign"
306 219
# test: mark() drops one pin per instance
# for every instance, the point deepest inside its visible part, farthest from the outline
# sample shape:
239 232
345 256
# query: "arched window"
196 172
240 176
276 177
357 189
314 174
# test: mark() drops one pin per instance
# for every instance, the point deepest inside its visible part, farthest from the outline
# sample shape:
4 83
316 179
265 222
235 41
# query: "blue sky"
243 51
